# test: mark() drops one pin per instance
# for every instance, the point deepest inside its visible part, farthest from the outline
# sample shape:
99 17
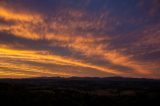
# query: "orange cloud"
53 59
20 30
4 74
63 33
90 48
7 15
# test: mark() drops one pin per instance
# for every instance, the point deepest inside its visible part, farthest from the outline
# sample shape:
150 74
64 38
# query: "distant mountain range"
90 79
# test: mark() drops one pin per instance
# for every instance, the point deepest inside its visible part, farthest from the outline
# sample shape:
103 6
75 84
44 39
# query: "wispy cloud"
89 38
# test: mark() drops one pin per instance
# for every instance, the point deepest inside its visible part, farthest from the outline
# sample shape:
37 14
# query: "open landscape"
113 91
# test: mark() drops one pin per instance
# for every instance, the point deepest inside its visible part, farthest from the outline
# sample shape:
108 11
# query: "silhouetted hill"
118 79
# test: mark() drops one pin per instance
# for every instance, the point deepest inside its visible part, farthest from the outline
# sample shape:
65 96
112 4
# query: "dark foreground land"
79 92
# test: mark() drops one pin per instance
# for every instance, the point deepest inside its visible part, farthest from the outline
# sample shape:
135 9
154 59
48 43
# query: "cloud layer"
95 38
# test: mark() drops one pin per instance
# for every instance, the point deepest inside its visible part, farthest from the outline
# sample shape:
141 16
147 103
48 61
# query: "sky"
83 38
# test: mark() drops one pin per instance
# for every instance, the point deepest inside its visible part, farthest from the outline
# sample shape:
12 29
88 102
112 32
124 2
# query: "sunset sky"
84 38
